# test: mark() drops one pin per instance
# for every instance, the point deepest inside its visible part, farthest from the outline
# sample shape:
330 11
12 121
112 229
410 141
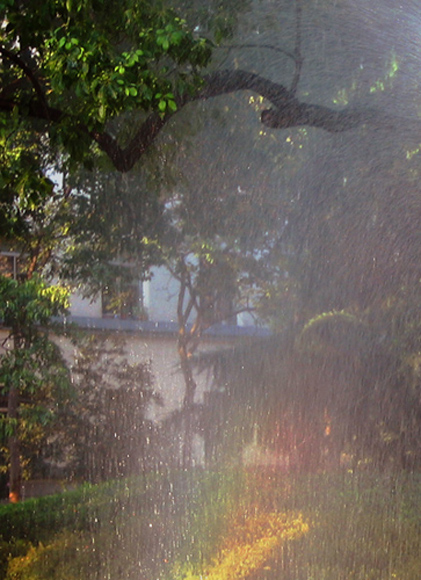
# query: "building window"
123 299
9 264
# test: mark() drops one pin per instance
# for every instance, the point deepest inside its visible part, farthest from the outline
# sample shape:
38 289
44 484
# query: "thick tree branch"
125 159
230 81
34 109
260 46
287 111
296 114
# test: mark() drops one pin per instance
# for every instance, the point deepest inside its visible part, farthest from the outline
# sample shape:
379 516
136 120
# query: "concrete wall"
159 349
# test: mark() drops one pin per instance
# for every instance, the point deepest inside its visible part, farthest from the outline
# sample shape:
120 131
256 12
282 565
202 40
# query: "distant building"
145 317
154 300
148 319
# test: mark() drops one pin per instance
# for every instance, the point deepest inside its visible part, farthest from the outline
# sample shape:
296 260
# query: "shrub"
250 544
37 519
10 550
71 556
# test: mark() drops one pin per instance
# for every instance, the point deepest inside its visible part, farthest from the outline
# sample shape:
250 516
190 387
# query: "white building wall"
80 306
160 296
160 350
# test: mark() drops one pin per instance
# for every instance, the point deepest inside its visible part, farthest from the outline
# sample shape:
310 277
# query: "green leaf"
102 112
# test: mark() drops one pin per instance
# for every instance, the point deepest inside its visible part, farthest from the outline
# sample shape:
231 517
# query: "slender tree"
33 374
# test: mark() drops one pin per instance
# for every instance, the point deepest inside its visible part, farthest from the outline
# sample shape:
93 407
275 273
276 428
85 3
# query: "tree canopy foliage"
71 70
74 67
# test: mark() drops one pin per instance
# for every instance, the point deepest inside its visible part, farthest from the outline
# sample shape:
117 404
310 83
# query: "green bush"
119 529
35 520
48 529
70 556
9 550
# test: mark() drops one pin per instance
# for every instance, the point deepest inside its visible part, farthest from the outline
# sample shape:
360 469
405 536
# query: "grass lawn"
315 527
246 525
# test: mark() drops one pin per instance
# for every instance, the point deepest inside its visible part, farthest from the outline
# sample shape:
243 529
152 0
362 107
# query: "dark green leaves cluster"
31 363
24 186
217 18
81 64
25 304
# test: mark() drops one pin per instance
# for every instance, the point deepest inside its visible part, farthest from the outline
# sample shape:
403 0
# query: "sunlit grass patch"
313 527
69 555
250 543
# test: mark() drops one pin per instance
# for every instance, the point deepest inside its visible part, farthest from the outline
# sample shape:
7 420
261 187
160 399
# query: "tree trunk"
15 471
188 402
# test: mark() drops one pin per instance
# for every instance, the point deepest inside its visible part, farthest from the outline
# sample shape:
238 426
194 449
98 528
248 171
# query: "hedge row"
89 506
35 520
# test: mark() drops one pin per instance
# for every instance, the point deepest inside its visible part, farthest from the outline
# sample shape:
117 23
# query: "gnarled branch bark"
287 111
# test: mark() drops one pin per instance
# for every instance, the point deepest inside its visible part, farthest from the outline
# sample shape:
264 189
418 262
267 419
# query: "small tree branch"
298 58
267 46
30 75
4 342
189 307
125 159
180 303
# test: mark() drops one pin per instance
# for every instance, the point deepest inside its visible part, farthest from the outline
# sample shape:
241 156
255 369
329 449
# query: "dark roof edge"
152 327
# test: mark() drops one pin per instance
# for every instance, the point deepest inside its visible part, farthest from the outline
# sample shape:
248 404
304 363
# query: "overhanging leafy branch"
286 111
